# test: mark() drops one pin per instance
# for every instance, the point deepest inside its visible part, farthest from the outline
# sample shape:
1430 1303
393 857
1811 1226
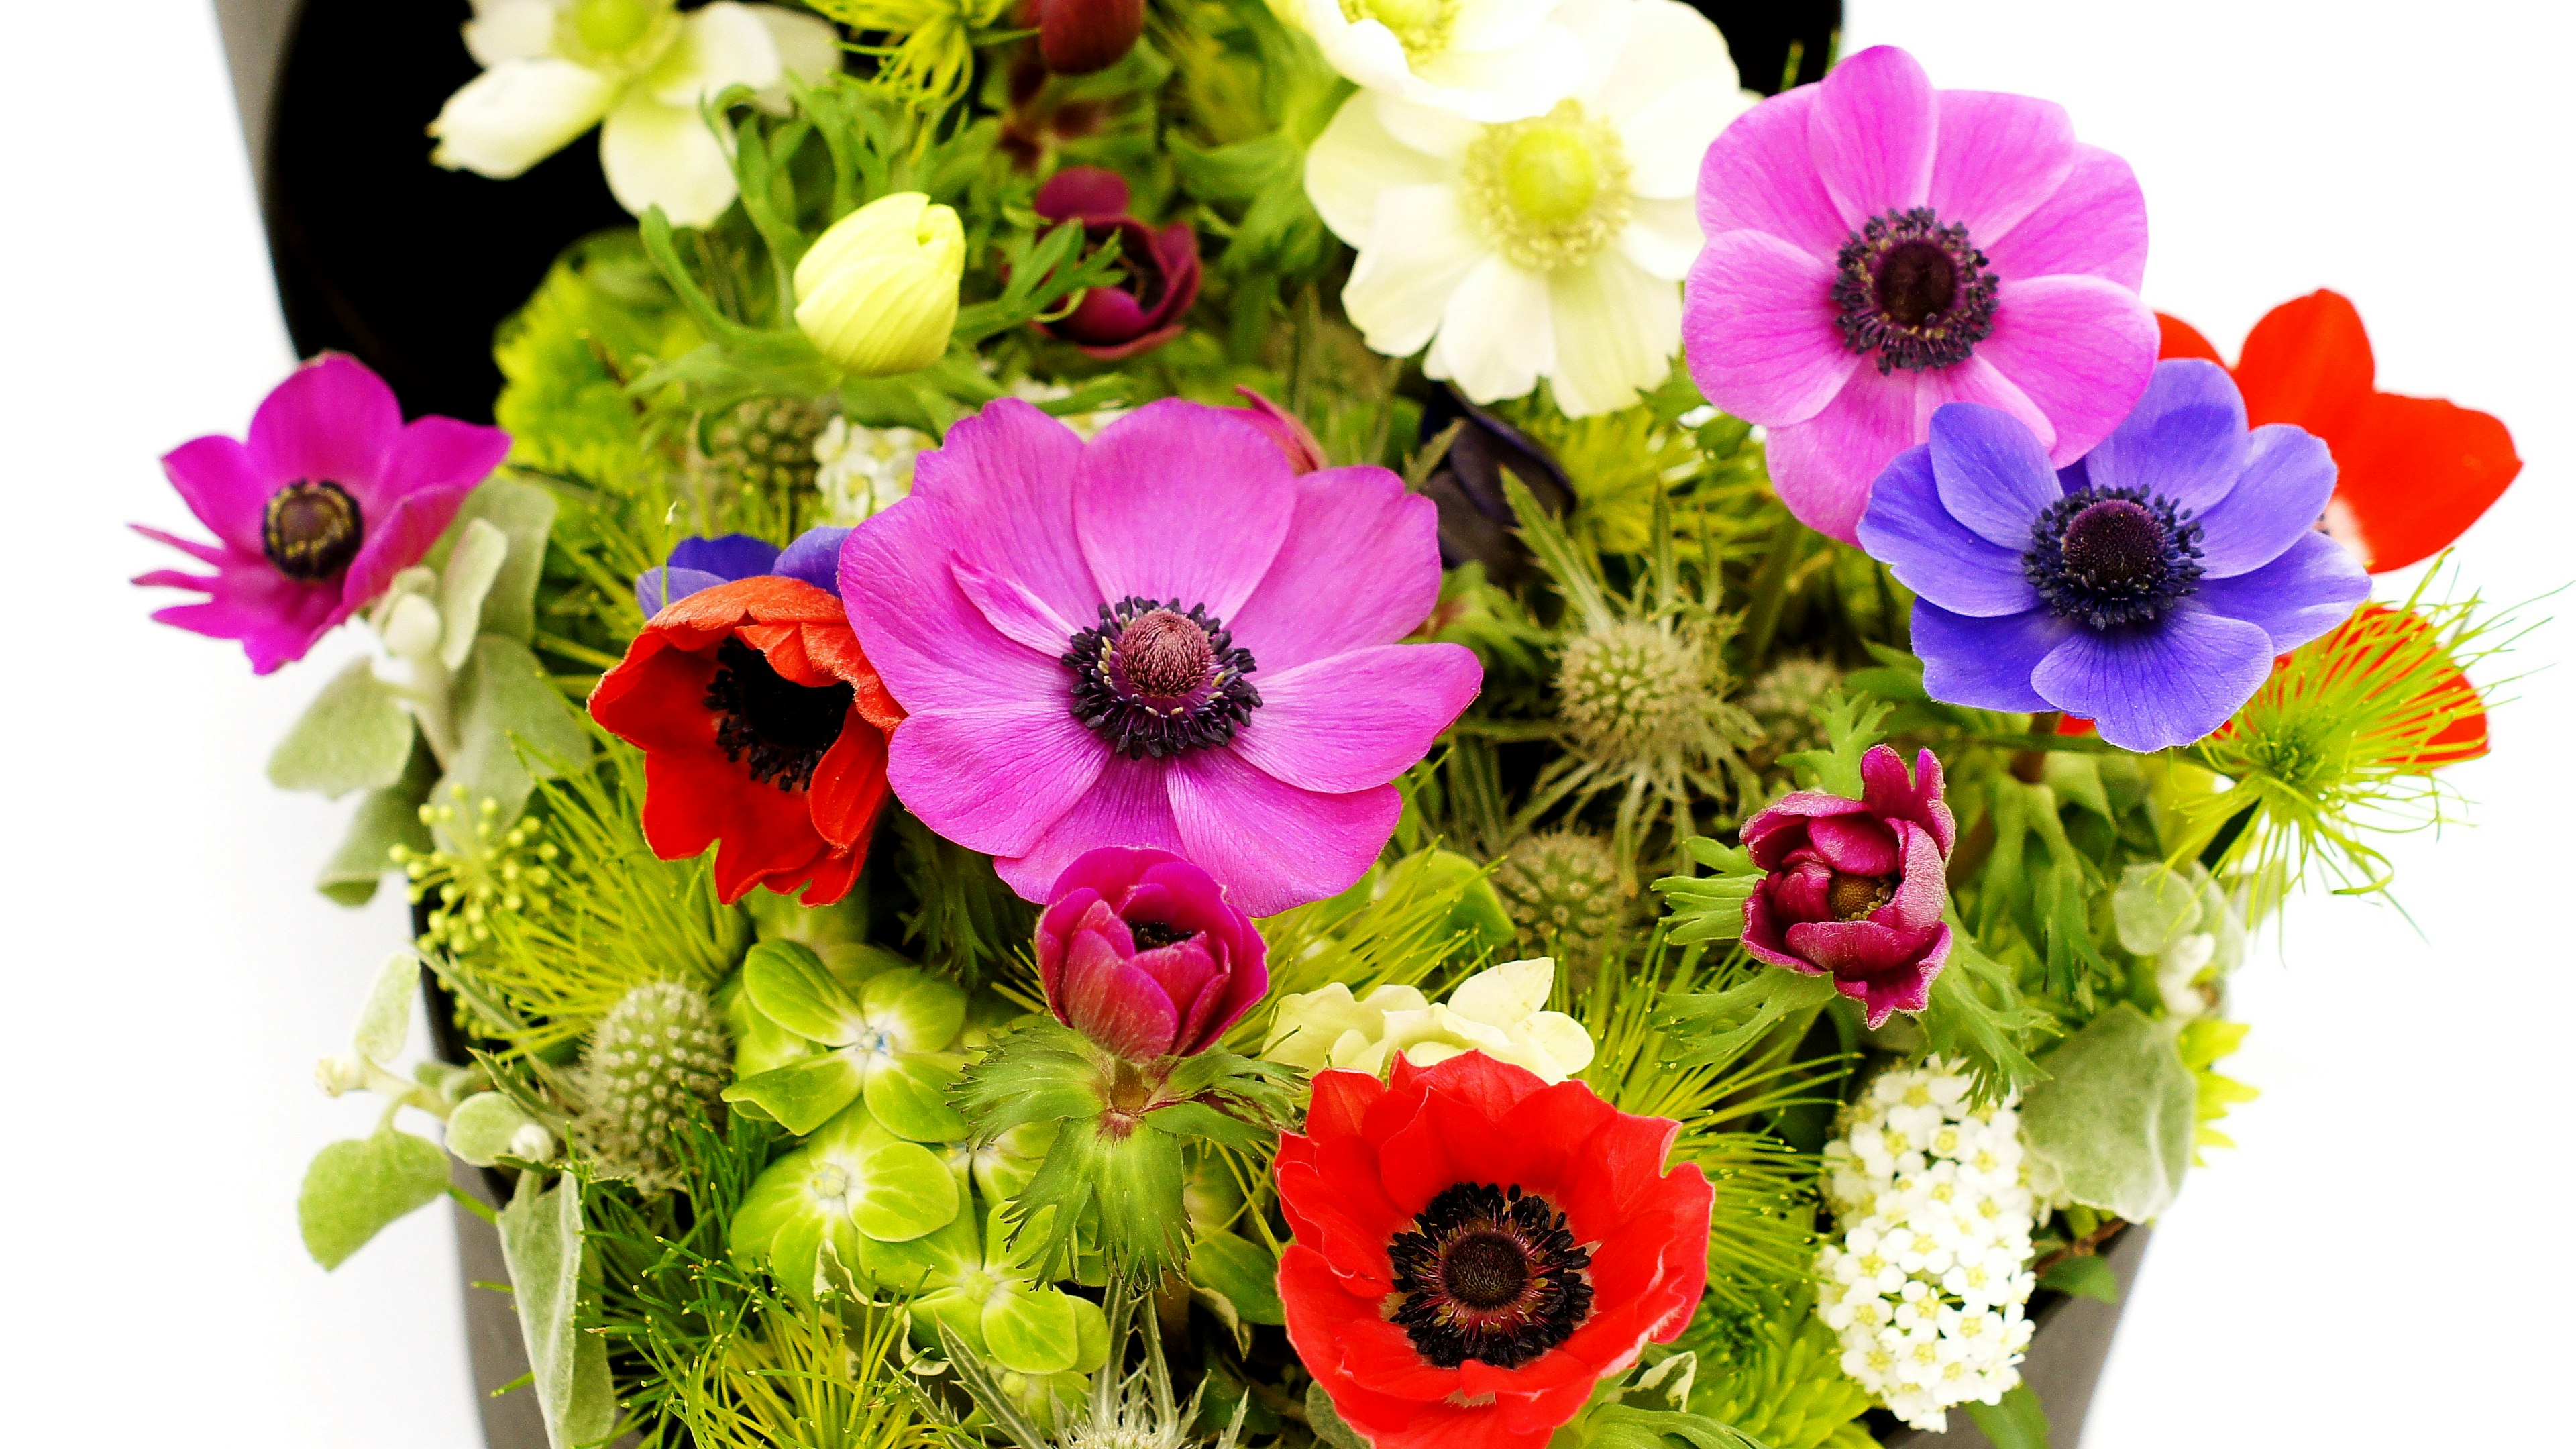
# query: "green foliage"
1781 1382
1710 907
355 1189
2115 1116
2018 1422
356 735
2082 1275
541 1239
964 920
1977 1016
890 1037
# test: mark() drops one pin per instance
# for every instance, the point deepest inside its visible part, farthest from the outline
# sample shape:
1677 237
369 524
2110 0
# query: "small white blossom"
1927 1285
861 472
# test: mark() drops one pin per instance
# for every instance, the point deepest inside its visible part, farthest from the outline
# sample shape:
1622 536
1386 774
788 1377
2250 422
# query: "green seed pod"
766 445
1784 700
1562 889
1632 691
658 1057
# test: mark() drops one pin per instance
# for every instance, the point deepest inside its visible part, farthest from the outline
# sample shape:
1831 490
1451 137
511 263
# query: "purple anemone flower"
330 496
2146 588
1877 248
1163 638
703 563
1855 888
1142 953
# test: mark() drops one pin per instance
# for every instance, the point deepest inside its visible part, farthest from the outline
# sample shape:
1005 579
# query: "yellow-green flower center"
625 35
1549 192
1421 26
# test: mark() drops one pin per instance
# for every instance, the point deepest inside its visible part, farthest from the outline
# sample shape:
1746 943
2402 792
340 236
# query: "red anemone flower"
1475 1250
2413 472
763 727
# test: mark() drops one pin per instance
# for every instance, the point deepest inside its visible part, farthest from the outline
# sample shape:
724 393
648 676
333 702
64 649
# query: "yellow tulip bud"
878 293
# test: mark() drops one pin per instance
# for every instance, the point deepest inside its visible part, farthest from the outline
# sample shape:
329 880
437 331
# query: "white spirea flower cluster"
861 472
1928 1284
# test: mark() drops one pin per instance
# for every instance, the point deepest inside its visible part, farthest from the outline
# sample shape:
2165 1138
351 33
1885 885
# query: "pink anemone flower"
1159 638
1877 248
330 496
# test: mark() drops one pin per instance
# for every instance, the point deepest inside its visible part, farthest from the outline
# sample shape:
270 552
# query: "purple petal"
1985 663
331 419
1273 845
2288 477
1085 193
1182 501
1978 381
1006 478
2160 685
1358 719
433 455
217 481
2095 225
1822 468
2184 441
1871 132
1758 329
1360 566
1907 529
1759 175
658 589
2310 588
1993 476
1127 805
1017 614
729 556
2080 348
1996 158
994 779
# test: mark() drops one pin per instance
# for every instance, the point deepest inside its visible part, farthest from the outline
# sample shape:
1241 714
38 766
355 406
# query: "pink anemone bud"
1855 888
1281 426
1078 37
1141 952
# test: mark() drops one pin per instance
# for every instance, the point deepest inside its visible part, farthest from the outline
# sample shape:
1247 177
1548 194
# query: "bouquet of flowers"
1333 722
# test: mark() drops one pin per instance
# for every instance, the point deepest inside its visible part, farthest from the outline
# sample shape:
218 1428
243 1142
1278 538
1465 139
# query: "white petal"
1495 24
1353 161
1497 338
1417 252
808 47
721 45
517 114
1663 237
1617 329
1427 129
1507 994
1367 52
503 30
658 155
1660 46
1522 80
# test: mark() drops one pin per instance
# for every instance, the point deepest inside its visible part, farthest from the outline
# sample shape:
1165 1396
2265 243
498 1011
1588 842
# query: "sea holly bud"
877 294
1078 37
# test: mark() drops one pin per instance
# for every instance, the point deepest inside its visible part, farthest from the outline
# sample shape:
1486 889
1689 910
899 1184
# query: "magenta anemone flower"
330 496
1162 638
1877 248
2146 588
1856 889
1142 953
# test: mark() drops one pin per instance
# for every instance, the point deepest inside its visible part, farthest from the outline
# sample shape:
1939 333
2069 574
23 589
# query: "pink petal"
1126 805
1997 158
1886 790
1857 844
201 552
1182 501
1758 329
276 618
994 778
1883 968
1114 1003
1360 566
1273 845
331 419
1872 132
2079 347
216 479
432 455
1007 476
1085 193
1923 891
1014 612
1976 380
396 541
1759 175
1358 719
1823 467
2095 225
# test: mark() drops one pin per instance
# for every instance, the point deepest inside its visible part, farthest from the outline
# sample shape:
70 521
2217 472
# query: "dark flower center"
1913 291
1853 897
1154 679
2113 556
1155 935
780 730
1489 1273
312 529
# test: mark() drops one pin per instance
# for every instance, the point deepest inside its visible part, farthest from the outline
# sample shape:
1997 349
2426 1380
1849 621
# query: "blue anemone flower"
2147 586
703 563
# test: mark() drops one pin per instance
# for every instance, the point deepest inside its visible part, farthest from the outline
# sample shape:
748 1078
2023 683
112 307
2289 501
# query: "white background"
2382 1262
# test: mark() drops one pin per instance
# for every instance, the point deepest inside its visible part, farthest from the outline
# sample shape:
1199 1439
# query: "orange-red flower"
763 728
1476 1249
2414 472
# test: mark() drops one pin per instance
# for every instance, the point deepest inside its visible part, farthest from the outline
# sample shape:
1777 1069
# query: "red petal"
2177 338
2416 472
850 785
2307 362
1341 1102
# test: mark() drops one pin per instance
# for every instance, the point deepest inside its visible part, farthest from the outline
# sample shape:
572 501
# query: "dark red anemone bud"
1856 889
1140 951
1078 37
1158 270
763 728
1475 1250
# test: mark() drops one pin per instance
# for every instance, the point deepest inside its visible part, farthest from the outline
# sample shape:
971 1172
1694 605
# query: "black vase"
410 268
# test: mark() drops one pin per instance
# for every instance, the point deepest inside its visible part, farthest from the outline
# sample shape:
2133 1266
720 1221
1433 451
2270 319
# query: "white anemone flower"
638 69
1548 247
1487 60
